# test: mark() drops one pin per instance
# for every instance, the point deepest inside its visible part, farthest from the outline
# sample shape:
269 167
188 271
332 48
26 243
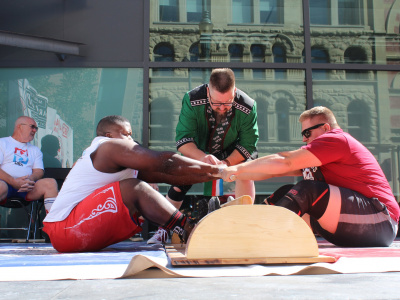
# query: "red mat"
328 249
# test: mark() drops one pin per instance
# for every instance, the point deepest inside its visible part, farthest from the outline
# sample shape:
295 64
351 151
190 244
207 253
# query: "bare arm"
153 166
275 165
191 150
36 174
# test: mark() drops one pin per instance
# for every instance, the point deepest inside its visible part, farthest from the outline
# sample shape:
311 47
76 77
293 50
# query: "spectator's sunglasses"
307 132
31 126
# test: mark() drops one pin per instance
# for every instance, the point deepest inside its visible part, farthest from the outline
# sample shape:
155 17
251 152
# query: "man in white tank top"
21 166
107 190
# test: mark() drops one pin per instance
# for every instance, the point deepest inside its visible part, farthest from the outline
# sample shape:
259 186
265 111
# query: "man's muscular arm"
190 150
117 154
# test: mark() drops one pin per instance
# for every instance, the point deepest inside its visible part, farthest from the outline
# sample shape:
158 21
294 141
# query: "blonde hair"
322 113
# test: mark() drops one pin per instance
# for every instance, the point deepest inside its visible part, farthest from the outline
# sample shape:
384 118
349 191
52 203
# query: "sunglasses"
307 132
31 126
228 104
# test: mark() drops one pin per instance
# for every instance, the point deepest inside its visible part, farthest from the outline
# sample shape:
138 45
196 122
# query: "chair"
32 210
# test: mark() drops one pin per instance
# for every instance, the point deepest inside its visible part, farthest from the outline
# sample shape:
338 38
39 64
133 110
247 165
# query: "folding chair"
32 210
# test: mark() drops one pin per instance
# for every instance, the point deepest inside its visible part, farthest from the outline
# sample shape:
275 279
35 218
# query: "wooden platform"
248 234
176 253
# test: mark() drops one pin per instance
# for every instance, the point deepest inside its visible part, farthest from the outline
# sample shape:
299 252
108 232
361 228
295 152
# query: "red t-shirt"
349 164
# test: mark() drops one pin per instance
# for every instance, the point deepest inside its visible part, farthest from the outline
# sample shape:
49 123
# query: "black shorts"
363 222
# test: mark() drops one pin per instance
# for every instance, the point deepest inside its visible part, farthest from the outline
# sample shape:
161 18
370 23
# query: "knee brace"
309 196
279 193
173 194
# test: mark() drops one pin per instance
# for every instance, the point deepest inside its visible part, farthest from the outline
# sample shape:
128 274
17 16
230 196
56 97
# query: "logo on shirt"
313 173
20 156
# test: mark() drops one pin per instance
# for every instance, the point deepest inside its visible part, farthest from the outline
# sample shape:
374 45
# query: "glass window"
278 105
169 10
358 118
236 55
320 12
355 55
160 120
270 12
242 11
194 52
258 55
262 121
194 10
282 114
163 52
350 12
67 103
279 54
370 111
319 56
228 22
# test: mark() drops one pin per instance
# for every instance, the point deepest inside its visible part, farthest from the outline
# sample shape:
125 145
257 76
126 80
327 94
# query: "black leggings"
363 222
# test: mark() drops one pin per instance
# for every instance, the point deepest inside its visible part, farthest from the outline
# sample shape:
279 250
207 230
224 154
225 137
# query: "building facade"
68 64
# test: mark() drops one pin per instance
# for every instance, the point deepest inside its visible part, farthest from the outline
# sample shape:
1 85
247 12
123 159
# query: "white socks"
48 202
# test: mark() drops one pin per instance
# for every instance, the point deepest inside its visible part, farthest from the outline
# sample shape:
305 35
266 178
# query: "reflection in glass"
258 55
271 11
67 103
358 117
194 10
355 55
282 113
169 10
319 56
242 11
320 12
236 55
370 111
350 12
279 57
279 104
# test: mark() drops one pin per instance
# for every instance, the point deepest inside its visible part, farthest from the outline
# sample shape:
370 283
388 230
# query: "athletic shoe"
160 237
213 204
230 198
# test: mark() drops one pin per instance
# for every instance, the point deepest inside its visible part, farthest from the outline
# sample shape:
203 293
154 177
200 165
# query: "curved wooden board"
242 200
251 231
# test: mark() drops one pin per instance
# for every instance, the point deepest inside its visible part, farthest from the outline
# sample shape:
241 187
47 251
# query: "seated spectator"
345 194
50 147
107 191
21 166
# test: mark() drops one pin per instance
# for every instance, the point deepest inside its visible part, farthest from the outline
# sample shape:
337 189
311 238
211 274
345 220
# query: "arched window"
163 52
262 119
194 52
161 128
279 54
236 55
358 120
258 55
319 56
194 57
282 113
355 55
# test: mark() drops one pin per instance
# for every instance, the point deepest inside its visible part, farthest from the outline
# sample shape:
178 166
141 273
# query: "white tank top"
82 180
